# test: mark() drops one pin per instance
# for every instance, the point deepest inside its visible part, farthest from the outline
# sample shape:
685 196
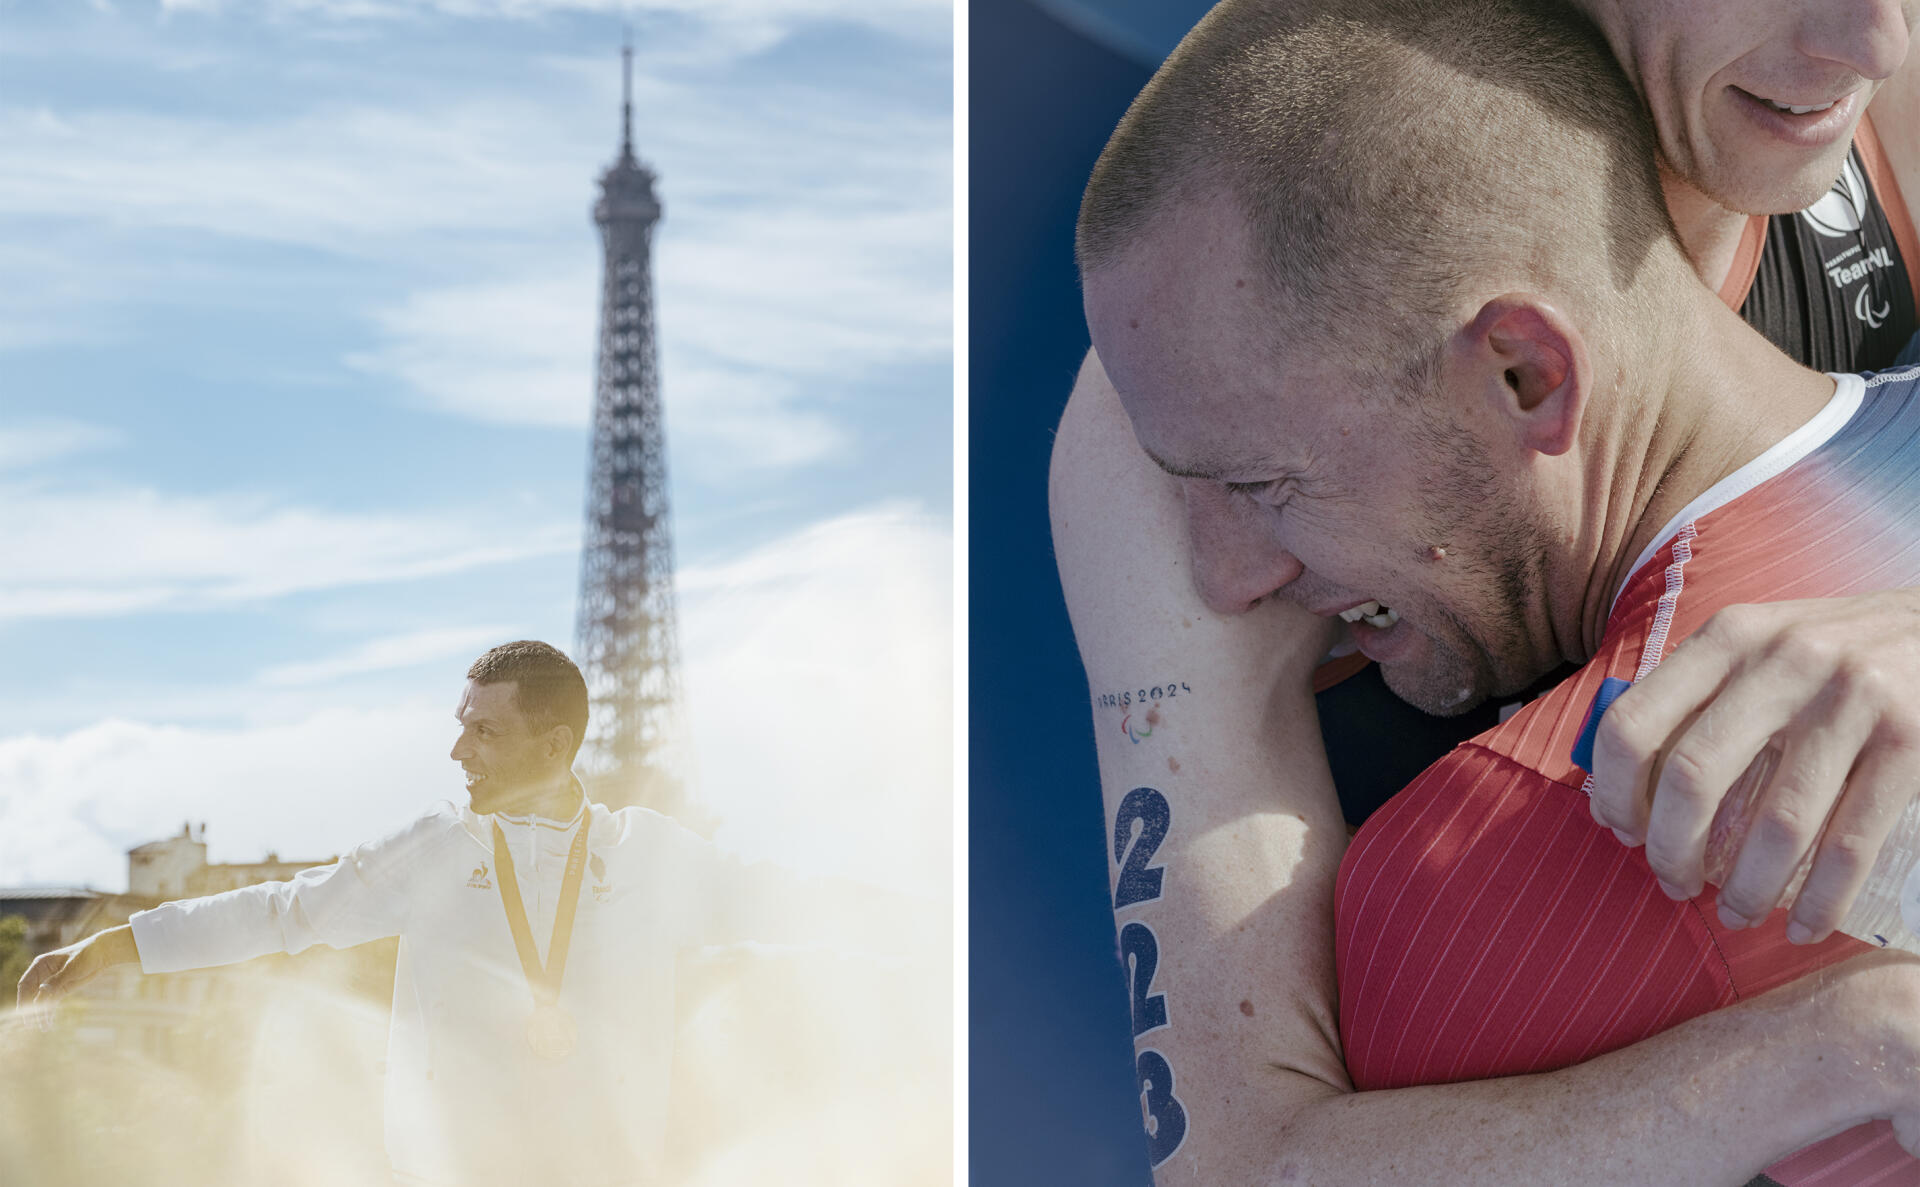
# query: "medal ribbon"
544 982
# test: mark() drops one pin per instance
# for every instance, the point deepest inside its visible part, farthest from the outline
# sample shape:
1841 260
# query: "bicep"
1223 833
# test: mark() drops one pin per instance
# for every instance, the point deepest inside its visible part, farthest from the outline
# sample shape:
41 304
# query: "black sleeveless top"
1831 289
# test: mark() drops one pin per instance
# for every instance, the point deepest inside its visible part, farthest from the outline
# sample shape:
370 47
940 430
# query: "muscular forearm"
1714 1100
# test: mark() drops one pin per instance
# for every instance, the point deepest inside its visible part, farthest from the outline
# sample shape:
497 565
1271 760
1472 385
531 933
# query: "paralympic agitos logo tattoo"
1129 699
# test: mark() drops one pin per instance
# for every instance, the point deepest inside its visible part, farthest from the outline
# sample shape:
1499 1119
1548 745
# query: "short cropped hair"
1385 152
549 689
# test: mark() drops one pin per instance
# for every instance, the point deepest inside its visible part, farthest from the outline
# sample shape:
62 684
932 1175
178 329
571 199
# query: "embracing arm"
1836 680
1225 836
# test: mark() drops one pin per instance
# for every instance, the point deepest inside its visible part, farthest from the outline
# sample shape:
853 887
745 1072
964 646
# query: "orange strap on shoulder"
1335 670
1746 263
1887 190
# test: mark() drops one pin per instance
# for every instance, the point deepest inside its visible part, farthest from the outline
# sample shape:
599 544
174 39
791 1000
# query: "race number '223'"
1138 829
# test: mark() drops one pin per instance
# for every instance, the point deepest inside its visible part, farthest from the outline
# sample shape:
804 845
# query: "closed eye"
1272 492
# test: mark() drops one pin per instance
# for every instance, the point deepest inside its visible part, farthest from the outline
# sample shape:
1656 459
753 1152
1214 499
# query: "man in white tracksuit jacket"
504 1064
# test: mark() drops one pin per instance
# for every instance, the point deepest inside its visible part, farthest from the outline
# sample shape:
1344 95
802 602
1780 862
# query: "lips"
1379 644
1816 124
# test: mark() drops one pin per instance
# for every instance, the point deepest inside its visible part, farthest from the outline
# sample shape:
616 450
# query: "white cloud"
510 352
767 305
334 177
112 551
346 175
819 688
70 806
818 673
386 654
724 420
813 291
34 443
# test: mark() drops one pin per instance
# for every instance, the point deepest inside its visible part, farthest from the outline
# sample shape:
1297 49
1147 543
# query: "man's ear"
1533 364
559 740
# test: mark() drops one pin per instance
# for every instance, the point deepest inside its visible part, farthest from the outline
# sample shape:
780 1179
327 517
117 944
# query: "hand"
1838 682
54 974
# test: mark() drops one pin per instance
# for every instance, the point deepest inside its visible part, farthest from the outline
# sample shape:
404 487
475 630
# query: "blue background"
1051 1083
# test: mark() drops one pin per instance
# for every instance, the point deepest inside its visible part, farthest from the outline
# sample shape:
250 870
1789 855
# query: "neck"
1693 406
555 799
1709 232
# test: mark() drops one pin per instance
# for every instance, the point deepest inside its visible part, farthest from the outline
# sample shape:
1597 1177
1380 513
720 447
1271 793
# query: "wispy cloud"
812 290
767 313
114 551
521 353
339 177
509 352
387 654
907 16
37 442
727 421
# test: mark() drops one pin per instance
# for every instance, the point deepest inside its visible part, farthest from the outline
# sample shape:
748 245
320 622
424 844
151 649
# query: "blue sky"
296 345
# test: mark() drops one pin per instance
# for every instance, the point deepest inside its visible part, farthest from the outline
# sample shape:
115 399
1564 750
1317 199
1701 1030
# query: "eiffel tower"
627 641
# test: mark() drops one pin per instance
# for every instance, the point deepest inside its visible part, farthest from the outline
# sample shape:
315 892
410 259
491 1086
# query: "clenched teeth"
1372 613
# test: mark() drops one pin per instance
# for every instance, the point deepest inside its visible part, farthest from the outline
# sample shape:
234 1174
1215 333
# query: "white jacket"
466 1100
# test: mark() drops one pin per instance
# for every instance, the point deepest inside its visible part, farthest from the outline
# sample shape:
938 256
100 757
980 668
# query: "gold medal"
551 1034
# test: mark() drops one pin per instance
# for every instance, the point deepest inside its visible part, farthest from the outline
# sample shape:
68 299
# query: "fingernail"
1799 933
1674 892
1730 919
1626 838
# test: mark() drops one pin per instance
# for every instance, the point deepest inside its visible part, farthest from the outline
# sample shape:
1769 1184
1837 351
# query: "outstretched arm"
359 898
1225 836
